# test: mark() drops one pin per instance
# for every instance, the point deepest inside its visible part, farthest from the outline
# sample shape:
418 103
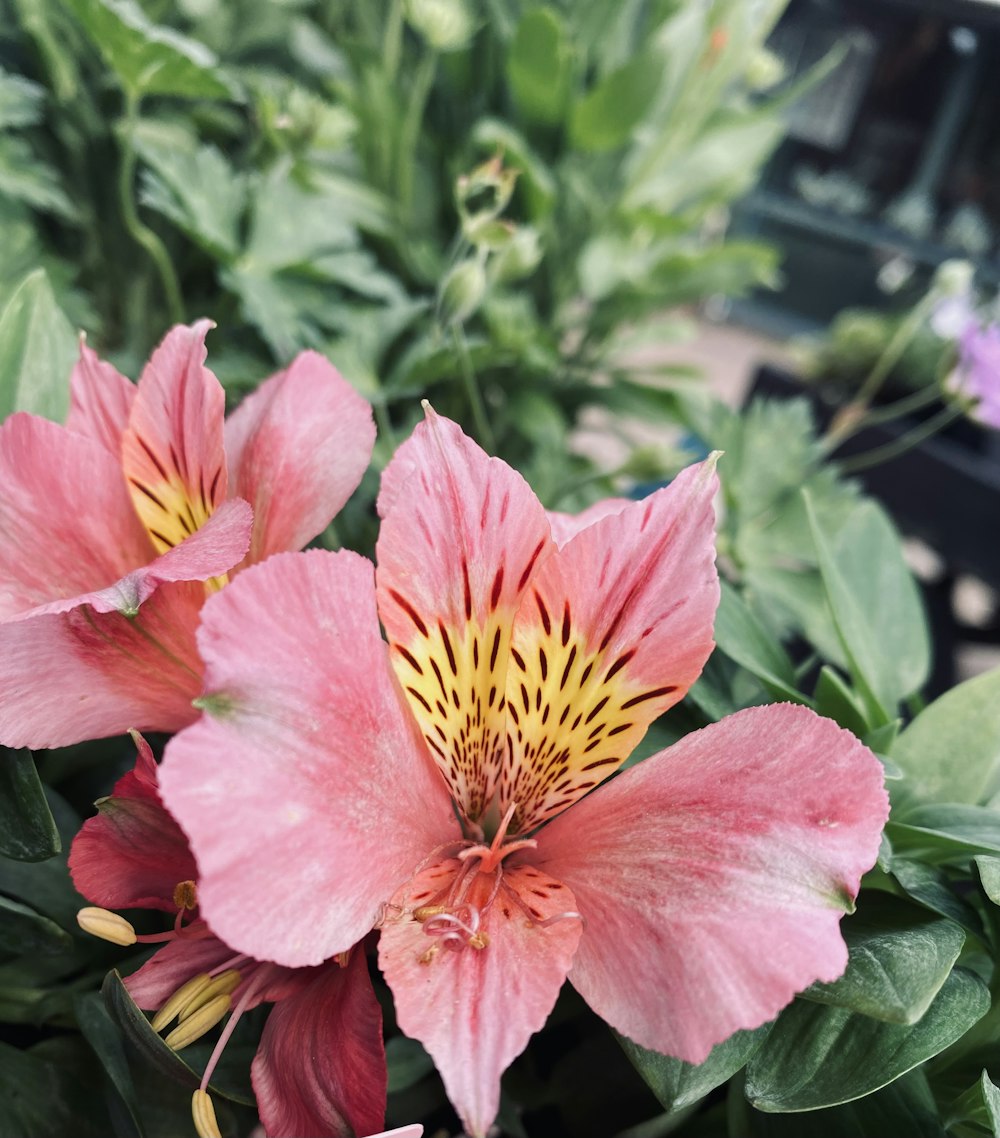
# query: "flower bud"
519 257
445 24
462 292
764 70
954 278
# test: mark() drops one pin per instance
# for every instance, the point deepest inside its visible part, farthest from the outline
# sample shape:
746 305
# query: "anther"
343 958
106 925
195 1026
222 985
428 956
186 895
179 1001
203 1113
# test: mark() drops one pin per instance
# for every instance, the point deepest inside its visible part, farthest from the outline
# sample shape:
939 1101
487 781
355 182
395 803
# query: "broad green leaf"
931 887
539 65
407 1061
140 1035
104 1037
43 1094
903 1109
26 178
947 833
38 349
21 101
147 58
980 1104
989 875
678 1084
27 829
899 958
22 930
835 699
951 751
744 639
604 118
876 608
818 1056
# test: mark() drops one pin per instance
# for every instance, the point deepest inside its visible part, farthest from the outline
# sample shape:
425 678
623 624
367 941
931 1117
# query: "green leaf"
21 101
27 829
539 66
147 58
678 1084
26 178
140 1035
407 1061
22 930
904 1108
835 699
42 1097
900 956
104 1037
951 751
38 349
744 639
948 833
931 887
876 608
818 1056
607 114
989 875
980 1105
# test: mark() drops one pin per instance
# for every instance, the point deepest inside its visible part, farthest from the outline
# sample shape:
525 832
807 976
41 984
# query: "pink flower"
439 786
114 527
977 376
320 1066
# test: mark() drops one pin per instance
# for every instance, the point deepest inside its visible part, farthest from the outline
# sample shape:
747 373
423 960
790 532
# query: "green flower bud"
519 257
764 70
462 292
445 24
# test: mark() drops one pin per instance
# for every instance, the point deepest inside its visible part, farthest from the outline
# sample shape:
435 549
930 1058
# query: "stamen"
201 1021
203 1113
223 985
492 855
106 925
184 995
254 985
186 895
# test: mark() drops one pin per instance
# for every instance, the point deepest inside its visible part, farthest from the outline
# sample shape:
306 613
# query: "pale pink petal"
208 553
66 523
100 400
297 448
132 854
712 877
305 789
613 630
461 536
566 526
320 1067
66 677
414 1131
474 1009
173 454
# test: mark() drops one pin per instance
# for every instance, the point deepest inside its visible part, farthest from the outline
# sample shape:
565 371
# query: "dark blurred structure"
892 162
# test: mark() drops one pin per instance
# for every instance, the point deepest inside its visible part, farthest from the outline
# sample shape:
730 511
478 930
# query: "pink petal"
712 877
320 1067
461 536
208 553
614 629
305 790
566 526
66 523
132 854
297 448
174 964
100 401
172 450
474 1009
79 674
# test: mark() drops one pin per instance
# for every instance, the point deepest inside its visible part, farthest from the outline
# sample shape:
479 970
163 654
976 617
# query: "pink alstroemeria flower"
114 526
439 786
320 1066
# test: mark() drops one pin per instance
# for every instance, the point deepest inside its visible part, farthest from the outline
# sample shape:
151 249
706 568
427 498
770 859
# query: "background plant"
492 205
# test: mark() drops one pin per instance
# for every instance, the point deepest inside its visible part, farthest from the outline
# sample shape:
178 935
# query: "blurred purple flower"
977 376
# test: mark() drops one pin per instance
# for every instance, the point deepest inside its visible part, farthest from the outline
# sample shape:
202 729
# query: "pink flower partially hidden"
977 376
114 527
320 1065
439 786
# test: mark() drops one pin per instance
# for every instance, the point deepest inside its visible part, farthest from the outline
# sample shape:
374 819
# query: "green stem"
903 444
904 406
385 429
852 417
392 39
141 233
476 405
409 135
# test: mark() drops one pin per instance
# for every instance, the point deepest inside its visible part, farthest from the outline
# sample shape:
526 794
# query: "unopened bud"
462 292
954 278
445 24
106 925
519 257
764 70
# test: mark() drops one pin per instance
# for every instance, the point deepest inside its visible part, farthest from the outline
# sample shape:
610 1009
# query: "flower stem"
410 132
141 233
903 444
476 405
